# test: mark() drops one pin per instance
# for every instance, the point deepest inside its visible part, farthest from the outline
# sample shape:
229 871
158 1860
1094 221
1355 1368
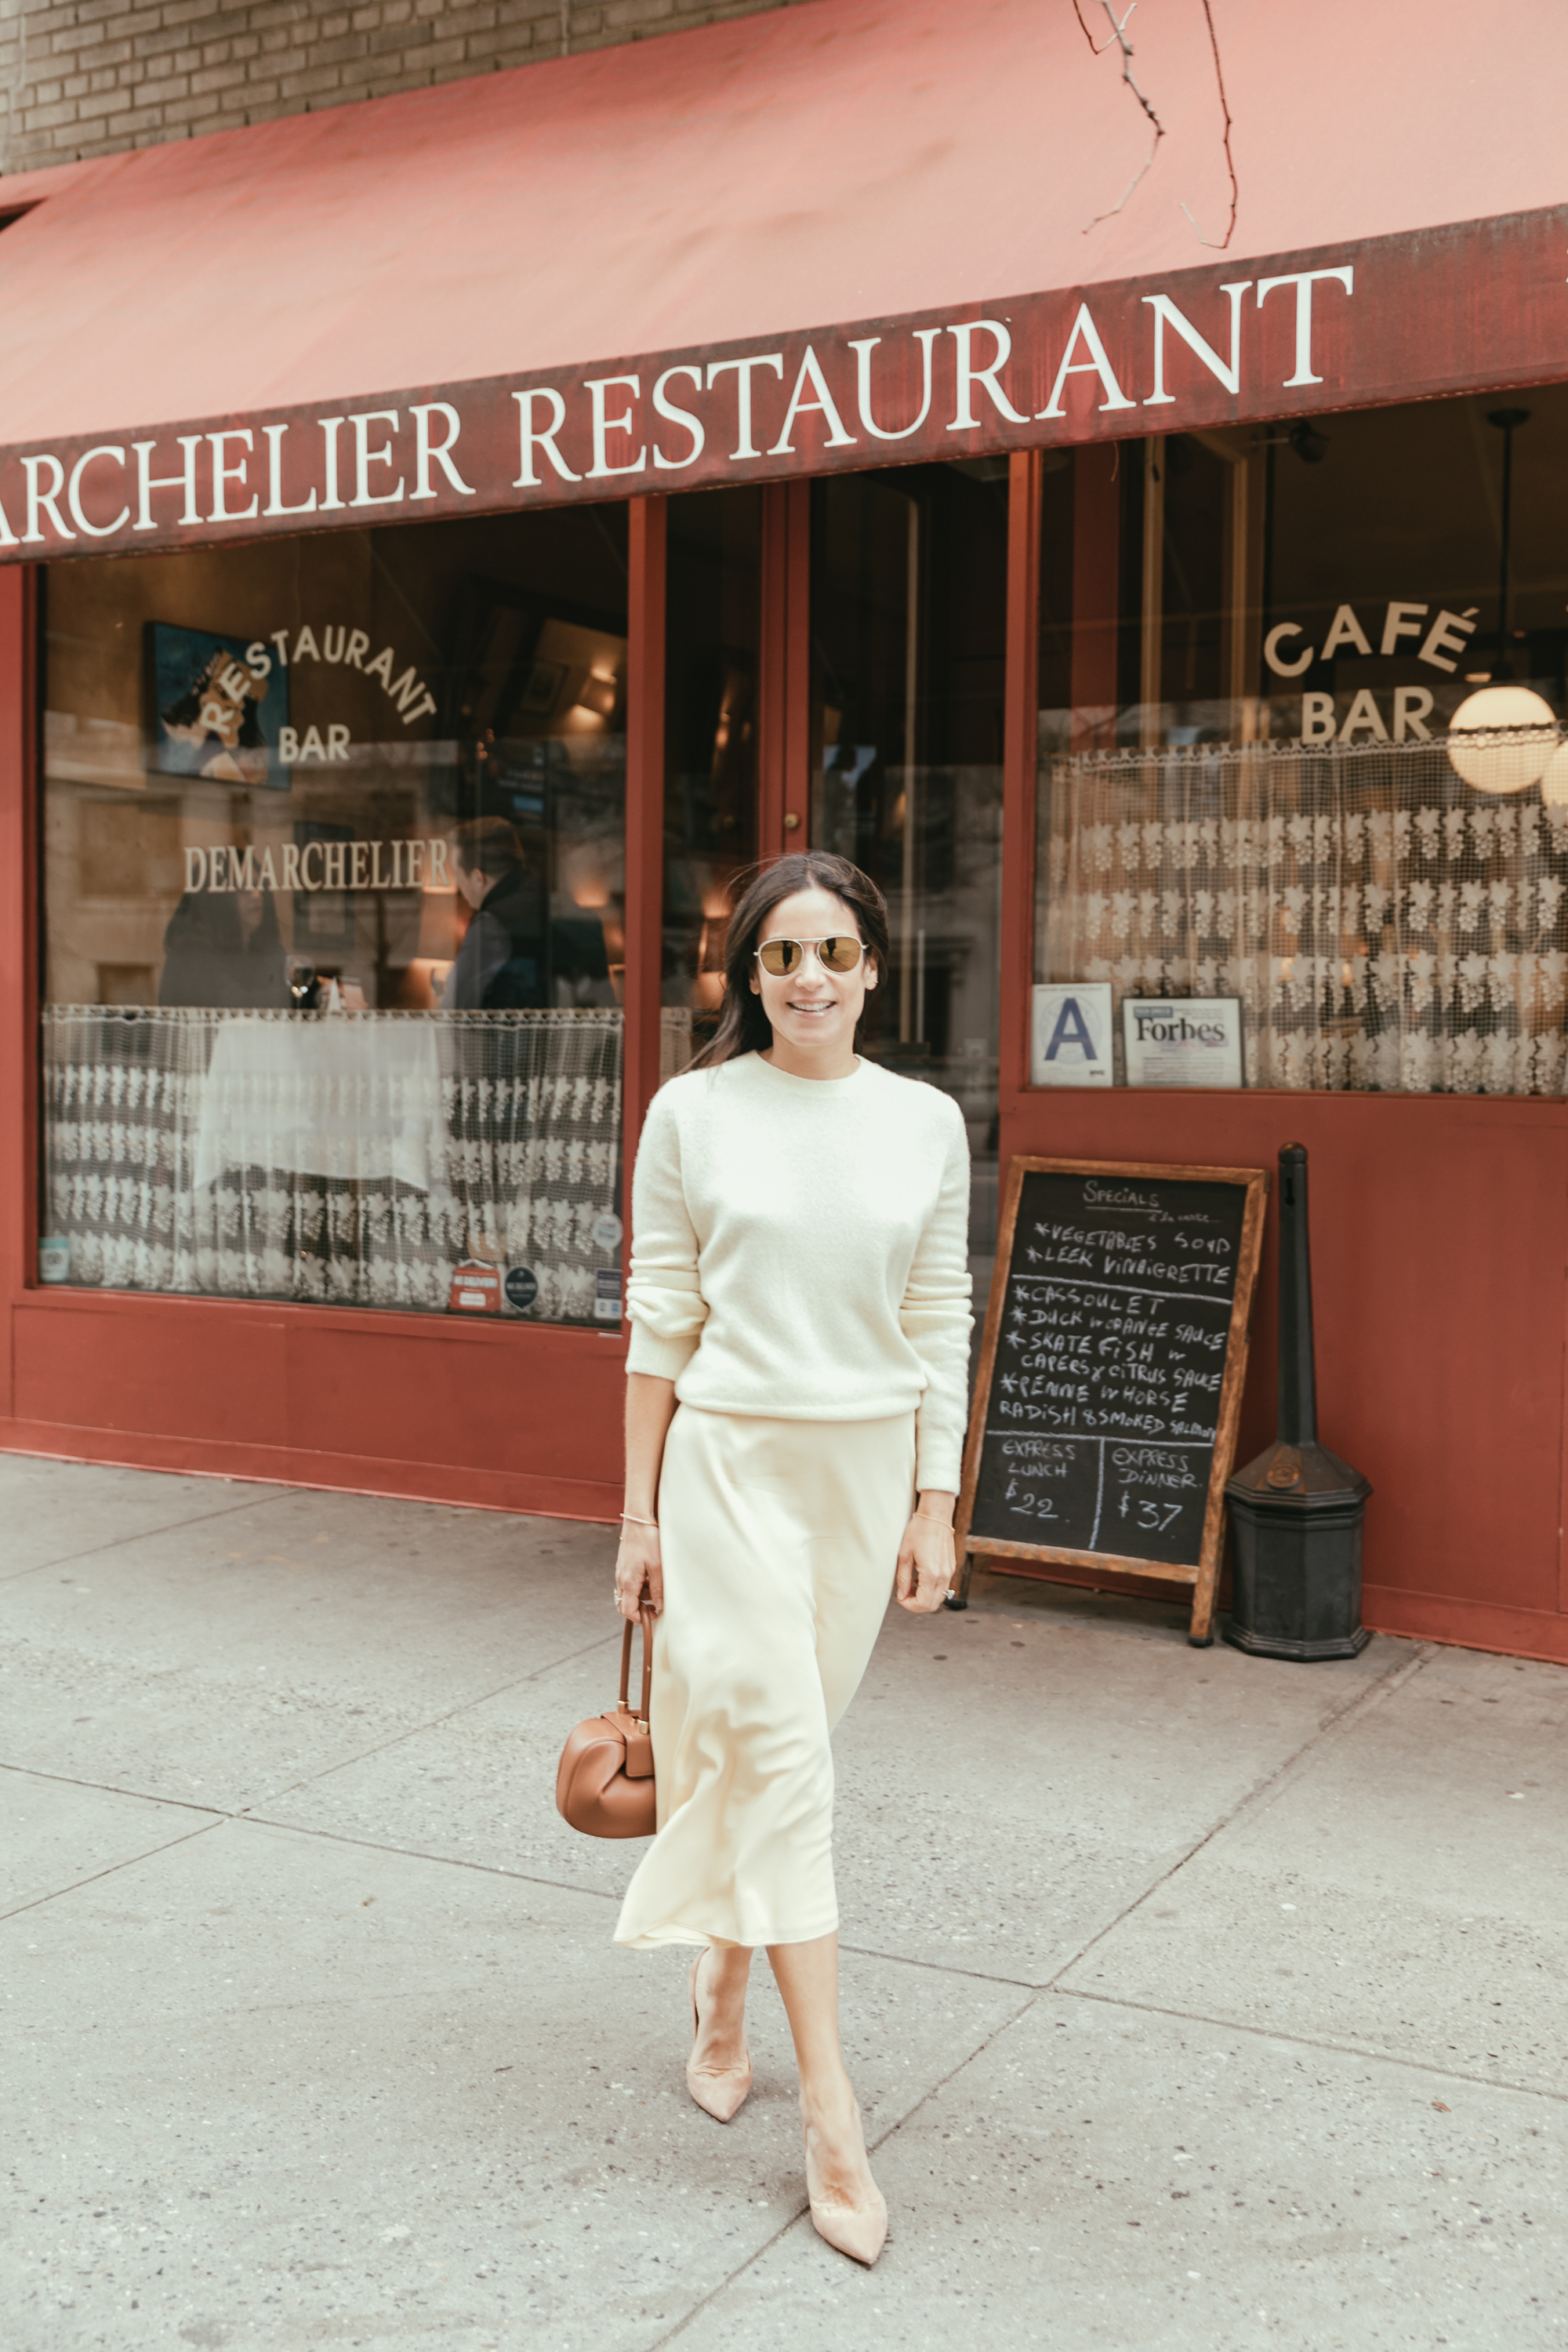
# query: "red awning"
813 176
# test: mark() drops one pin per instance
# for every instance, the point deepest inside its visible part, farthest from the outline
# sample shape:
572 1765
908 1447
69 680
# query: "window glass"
333 888
712 636
1306 759
908 643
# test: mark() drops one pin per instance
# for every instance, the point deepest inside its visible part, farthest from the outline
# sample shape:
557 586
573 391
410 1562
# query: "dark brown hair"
744 1026
487 844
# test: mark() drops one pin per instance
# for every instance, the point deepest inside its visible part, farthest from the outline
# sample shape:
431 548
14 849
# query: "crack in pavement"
309 1780
140 1535
1308 2041
1262 1793
883 2136
482 1698
127 1861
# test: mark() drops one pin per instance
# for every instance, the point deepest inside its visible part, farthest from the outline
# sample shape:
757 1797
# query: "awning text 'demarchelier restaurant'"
1478 305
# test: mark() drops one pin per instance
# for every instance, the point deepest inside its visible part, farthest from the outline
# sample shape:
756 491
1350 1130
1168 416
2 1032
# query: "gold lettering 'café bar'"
444 539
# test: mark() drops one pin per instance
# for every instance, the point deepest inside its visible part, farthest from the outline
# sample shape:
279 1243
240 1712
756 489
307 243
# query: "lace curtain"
1384 926
352 1159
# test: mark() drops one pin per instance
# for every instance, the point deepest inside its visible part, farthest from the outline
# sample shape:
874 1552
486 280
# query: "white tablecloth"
346 1097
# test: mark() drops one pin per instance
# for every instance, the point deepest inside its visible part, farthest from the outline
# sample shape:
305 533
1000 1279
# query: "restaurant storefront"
366 871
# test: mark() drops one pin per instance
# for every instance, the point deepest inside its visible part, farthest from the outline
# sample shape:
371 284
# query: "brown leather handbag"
603 1784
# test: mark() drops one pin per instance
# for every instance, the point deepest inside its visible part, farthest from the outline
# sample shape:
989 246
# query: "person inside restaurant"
225 948
512 953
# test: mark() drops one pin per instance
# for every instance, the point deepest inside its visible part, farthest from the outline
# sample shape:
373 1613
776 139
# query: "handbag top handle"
646 1618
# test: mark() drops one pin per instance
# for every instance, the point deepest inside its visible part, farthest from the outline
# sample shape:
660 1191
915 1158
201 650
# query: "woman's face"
812 1008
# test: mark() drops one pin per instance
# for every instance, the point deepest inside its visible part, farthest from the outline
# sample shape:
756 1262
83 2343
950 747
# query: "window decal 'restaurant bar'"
1480 305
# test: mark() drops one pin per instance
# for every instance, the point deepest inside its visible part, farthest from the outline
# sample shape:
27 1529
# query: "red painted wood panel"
342 1474
503 1418
542 1403
171 1366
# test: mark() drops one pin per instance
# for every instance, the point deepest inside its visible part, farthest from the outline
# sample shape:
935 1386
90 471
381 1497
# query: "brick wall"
91 76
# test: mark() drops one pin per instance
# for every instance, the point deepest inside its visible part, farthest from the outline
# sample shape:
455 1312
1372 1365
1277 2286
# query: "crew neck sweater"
800 1251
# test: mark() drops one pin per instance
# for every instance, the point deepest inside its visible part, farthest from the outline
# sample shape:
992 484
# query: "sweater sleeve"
936 1320
664 1299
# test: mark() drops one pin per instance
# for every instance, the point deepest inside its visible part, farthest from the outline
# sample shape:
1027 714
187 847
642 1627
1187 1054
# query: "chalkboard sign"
1110 1375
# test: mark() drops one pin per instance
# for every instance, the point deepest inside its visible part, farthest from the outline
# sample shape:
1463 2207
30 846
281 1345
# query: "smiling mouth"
813 1008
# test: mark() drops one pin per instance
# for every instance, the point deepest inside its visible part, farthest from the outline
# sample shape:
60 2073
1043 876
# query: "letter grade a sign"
1482 304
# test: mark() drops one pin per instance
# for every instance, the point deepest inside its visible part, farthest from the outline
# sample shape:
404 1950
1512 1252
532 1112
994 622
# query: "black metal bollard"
1296 1512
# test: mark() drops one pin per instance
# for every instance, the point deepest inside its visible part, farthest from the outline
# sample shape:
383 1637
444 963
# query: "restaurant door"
898 766
908 579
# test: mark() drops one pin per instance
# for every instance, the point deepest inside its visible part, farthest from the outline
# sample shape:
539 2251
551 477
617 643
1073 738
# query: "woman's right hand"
639 1565
639 1569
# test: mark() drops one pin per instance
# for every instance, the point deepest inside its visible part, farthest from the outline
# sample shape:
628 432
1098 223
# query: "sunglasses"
782 957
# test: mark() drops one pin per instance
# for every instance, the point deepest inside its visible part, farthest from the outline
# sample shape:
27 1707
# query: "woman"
799 1299
225 948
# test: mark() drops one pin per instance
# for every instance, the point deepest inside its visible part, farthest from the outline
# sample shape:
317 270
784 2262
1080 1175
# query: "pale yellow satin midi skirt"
779 1540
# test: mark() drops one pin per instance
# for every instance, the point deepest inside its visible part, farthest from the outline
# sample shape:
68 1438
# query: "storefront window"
333 890
712 635
908 641
1251 785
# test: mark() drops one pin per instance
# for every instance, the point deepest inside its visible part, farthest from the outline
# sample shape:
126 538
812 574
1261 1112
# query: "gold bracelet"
932 1520
637 1522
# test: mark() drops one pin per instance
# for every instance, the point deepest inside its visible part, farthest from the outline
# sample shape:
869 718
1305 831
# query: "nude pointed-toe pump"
719 2091
859 2231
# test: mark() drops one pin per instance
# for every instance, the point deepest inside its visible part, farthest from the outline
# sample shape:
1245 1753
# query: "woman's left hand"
926 1557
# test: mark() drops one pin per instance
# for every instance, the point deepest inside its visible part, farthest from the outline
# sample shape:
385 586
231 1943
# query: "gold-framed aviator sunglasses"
840 953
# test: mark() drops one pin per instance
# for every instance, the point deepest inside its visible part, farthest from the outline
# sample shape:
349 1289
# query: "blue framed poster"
216 711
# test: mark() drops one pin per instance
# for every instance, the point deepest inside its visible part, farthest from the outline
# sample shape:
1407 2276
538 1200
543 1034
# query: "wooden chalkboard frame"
1202 1575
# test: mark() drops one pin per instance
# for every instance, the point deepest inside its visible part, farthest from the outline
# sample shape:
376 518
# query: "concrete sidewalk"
1193 2000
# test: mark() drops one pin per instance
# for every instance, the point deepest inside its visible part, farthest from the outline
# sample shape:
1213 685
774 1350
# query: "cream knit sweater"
799 1251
